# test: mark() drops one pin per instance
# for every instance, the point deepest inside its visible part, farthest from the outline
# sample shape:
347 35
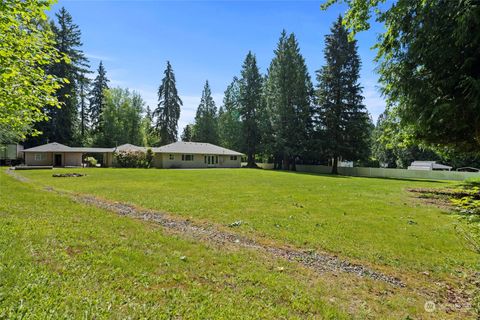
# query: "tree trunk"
335 165
251 161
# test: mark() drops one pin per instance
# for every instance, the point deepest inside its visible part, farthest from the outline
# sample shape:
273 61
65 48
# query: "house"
175 155
428 165
195 155
59 155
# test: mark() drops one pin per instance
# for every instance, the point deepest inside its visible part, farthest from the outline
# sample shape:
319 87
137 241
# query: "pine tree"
97 99
168 109
250 103
343 118
289 101
205 129
229 122
187 133
82 94
63 122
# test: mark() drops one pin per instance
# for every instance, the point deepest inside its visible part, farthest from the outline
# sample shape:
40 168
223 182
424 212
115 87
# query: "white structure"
428 165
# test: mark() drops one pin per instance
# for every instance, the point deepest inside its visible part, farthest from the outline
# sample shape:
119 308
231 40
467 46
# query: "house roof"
195 148
130 147
58 147
176 147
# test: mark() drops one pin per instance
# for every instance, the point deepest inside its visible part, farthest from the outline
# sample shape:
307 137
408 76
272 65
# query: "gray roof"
176 147
58 147
130 147
195 148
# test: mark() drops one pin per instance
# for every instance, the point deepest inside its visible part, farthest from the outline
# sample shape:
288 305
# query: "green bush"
134 159
91 161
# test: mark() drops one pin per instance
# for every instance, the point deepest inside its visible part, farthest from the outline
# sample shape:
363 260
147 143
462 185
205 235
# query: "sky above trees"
205 40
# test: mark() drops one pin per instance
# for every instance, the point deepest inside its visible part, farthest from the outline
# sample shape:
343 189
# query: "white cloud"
98 57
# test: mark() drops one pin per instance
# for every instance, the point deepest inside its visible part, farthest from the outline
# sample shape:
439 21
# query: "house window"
39 156
171 157
216 159
234 158
187 157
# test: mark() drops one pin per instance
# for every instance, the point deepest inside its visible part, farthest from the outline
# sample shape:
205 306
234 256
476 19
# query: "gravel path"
319 262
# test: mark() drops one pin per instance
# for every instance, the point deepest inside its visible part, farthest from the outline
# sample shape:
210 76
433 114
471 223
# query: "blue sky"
205 40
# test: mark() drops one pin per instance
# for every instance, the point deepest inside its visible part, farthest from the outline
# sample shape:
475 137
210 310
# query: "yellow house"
175 155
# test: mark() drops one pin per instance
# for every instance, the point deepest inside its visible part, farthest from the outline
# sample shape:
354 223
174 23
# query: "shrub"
91 161
149 157
134 159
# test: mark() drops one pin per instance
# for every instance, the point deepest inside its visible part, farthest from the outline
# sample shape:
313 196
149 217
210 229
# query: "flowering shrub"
133 159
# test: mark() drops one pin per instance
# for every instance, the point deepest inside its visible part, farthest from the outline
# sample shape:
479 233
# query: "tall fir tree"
250 104
206 129
229 122
63 122
187 133
289 101
342 116
97 99
168 109
83 84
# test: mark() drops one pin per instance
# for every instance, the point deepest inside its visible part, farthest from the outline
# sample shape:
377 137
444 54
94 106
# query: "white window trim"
39 156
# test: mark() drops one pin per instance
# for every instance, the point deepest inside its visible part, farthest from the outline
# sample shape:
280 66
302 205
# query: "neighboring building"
9 153
175 155
428 165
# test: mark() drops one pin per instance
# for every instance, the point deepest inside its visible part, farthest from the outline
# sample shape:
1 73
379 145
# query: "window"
187 157
39 156
234 158
171 157
216 159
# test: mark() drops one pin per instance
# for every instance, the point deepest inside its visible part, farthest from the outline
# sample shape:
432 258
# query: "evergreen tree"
82 94
205 129
97 99
187 133
289 100
250 103
229 122
63 122
168 109
343 118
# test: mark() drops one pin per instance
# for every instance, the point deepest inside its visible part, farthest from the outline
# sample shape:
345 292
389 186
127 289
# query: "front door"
57 160
211 161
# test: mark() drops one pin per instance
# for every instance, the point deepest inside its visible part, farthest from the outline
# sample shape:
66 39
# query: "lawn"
372 220
125 266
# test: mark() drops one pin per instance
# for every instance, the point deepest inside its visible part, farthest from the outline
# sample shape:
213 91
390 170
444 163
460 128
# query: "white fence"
384 172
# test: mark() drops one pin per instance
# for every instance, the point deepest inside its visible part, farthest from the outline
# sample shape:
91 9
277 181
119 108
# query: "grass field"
374 222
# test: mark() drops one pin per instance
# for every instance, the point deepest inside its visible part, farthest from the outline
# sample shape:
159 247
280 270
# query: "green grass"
60 259
371 220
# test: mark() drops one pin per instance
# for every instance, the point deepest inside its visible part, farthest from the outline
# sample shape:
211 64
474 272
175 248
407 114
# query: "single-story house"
59 155
174 155
428 165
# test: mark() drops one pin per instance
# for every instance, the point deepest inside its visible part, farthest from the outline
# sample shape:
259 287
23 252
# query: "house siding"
47 159
71 159
162 160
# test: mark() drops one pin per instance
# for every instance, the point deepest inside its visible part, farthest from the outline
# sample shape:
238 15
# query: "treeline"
280 116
